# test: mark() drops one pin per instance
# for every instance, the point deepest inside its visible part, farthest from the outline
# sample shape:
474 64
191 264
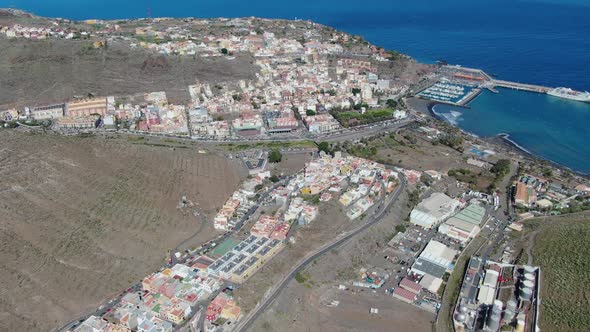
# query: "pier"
456 85
520 86
485 81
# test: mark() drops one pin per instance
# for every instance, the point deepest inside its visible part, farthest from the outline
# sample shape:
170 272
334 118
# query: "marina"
456 85
450 93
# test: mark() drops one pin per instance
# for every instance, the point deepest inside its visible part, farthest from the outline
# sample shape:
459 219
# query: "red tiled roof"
406 294
410 285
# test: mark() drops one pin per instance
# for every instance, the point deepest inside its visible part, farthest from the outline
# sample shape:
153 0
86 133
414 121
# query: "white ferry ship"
570 94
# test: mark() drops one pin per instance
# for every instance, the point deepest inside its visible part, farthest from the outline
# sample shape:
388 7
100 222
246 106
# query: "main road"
343 134
275 291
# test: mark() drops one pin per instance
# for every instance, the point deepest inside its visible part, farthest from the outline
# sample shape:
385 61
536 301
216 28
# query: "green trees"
391 103
324 146
451 140
501 168
275 156
356 91
400 228
310 112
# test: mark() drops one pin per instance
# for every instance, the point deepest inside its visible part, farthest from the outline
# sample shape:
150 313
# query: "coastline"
502 140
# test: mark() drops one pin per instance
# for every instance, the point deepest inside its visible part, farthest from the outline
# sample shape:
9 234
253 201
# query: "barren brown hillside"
83 218
51 71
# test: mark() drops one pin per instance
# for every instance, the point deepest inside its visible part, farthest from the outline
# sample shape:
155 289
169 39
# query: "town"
453 249
299 89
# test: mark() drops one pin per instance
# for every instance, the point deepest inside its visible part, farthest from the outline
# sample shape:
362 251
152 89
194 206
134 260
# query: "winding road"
275 291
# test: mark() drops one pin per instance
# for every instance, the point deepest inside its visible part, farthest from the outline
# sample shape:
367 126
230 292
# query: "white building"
435 260
433 210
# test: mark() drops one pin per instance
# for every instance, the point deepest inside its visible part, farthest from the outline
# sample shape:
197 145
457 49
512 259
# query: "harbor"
456 85
450 93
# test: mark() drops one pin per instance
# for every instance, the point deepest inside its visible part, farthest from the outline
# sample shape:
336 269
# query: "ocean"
541 42
549 127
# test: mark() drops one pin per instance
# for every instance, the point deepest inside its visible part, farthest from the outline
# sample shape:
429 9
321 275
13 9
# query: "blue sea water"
535 41
547 126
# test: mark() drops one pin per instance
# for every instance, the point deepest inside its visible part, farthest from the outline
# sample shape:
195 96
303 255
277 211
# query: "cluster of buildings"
223 306
241 201
243 260
293 88
440 211
79 113
424 269
323 176
54 31
536 194
167 299
360 179
498 297
155 115
426 252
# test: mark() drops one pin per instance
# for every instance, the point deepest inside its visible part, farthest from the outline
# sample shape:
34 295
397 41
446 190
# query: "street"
275 291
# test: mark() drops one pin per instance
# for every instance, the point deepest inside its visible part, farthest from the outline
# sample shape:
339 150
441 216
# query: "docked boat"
570 94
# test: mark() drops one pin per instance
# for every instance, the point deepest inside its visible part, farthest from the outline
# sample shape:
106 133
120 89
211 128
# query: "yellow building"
175 315
87 107
231 311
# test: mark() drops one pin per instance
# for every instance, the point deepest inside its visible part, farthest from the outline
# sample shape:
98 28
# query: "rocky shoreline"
501 140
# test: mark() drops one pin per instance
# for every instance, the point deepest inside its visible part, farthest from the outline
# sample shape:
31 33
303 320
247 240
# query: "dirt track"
83 218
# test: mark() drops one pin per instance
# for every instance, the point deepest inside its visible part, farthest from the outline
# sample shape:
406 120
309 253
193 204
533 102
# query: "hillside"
51 70
84 218
561 250
38 72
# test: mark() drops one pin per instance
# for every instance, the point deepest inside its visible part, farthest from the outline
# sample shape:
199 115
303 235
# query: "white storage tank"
460 318
525 294
497 308
511 305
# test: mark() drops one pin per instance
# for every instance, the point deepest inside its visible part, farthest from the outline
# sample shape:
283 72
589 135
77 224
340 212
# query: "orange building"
86 107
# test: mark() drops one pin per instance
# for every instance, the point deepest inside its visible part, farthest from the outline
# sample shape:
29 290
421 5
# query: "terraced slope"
83 218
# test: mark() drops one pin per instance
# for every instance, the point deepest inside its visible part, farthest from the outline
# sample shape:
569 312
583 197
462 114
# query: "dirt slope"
83 218
53 70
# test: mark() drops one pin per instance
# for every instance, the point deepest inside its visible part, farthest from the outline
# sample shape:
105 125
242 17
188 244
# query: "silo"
529 277
510 311
493 322
529 269
525 294
511 305
495 316
497 307
528 284
460 318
